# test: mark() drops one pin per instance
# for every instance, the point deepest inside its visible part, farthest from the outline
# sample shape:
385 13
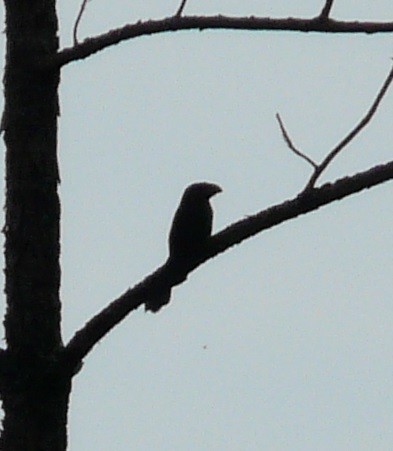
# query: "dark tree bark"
34 391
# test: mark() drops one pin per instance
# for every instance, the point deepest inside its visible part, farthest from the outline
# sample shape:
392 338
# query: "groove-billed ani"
192 224
190 230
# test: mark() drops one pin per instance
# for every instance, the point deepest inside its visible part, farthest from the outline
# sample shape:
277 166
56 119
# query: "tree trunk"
35 413
34 393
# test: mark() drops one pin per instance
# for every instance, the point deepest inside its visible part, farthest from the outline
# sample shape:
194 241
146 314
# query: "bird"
193 221
189 233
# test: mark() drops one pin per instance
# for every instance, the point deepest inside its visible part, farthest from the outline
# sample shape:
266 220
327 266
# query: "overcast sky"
283 343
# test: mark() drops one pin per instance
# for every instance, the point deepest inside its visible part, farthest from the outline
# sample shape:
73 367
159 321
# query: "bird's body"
191 228
192 223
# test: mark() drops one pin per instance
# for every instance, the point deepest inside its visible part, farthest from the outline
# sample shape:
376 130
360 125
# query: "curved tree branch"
292 146
77 21
176 23
318 170
171 274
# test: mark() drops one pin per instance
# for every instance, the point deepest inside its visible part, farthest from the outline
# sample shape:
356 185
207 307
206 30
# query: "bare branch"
352 134
291 145
170 275
77 21
326 9
95 44
181 7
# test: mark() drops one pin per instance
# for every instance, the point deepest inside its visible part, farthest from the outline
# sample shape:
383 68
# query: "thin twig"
181 7
292 146
326 9
352 134
78 19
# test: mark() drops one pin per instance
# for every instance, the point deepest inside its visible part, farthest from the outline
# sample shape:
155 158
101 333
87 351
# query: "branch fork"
318 169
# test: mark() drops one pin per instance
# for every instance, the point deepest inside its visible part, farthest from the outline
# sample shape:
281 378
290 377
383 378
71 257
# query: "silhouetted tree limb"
319 168
176 23
292 146
326 9
77 21
352 134
174 273
181 7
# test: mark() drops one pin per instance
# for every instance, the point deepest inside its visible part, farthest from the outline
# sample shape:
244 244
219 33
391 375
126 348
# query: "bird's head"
202 190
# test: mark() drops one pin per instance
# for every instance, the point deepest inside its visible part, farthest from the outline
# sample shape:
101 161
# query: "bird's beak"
215 189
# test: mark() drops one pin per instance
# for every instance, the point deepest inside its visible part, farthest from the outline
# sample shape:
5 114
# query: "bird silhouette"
193 220
191 228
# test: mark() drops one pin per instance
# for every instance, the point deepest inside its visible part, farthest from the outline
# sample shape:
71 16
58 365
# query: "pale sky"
283 343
